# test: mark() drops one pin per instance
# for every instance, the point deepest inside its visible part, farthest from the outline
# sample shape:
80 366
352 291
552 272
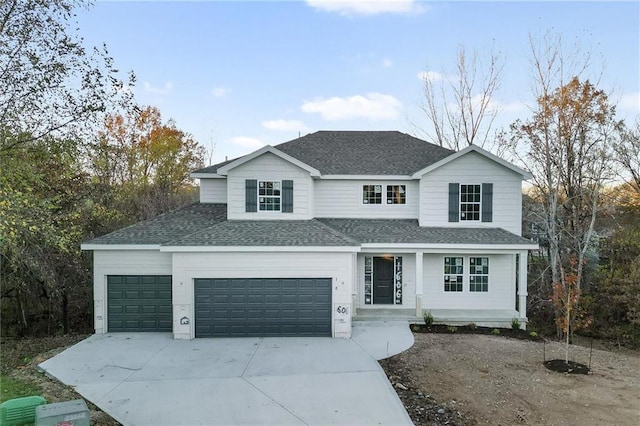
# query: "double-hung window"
479 274
470 202
374 194
269 195
453 273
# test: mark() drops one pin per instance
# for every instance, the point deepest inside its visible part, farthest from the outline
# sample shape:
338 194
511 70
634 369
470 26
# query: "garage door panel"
139 303
263 307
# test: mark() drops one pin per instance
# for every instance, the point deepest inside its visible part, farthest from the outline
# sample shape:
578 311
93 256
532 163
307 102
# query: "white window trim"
384 201
269 196
460 218
459 275
466 274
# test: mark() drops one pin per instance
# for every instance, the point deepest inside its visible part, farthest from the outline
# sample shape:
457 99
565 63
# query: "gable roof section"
371 153
465 151
233 164
164 227
408 231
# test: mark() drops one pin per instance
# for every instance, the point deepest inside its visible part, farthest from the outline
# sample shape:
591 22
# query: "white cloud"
374 106
166 89
367 7
285 125
219 92
431 76
387 63
631 102
247 142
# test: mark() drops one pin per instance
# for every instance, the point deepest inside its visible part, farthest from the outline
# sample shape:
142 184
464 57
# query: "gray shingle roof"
206 225
297 233
360 153
407 231
167 226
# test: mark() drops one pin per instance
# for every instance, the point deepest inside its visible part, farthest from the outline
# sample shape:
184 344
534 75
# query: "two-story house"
303 237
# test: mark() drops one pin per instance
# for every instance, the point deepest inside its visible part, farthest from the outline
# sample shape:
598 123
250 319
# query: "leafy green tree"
51 86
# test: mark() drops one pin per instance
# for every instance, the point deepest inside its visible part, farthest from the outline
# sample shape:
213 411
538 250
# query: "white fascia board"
120 246
268 148
449 248
367 177
291 249
197 175
473 148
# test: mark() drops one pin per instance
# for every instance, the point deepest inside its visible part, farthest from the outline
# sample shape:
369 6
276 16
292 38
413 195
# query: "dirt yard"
479 379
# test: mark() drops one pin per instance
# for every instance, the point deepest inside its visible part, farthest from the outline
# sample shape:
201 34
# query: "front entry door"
382 281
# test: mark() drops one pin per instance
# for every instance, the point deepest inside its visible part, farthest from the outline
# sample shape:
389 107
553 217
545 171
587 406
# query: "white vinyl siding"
343 199
187 266
122 262
269 167
472 168
213 190
501 290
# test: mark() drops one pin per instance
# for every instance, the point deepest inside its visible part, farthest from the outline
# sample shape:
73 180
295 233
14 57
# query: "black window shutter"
487 202
287 196
454 202
251 195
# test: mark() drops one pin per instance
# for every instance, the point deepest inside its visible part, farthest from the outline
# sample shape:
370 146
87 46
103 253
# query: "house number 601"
342 309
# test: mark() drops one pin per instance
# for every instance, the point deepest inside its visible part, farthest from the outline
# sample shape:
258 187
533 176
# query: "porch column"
419 283
522 288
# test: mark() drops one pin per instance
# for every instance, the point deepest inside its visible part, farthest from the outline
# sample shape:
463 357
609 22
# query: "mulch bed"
474 329
562 366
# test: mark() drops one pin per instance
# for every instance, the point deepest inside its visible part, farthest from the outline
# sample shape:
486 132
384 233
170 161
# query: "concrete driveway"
151 379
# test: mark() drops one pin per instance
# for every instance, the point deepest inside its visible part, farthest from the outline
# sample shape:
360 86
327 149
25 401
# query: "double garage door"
224 307
263 307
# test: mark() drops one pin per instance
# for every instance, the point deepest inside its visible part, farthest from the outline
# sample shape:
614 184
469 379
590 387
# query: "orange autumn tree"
142 164
565 298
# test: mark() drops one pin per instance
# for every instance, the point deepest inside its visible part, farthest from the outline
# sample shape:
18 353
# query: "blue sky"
240 74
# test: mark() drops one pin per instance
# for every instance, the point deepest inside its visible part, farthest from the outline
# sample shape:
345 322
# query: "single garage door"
139 303
259 307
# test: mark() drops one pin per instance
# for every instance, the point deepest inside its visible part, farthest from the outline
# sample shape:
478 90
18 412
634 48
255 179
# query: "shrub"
495 331
428 319
452 328
472 326
533 335
515 324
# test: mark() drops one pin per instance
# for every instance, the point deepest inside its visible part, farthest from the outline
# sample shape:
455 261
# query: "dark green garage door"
263 307
139 303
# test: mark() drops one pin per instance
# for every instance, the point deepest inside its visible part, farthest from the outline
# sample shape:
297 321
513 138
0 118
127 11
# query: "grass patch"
15 388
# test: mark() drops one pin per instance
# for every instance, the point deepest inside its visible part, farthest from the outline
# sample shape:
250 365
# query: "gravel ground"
479 379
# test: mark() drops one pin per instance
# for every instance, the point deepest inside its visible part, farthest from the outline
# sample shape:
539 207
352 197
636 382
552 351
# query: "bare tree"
566 146
627 154
461 109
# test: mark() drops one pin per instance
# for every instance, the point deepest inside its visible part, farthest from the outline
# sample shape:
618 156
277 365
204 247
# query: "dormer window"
269 196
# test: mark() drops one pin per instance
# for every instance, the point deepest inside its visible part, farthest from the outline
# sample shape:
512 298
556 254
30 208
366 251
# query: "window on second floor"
372 194
396 194
269 195
469 202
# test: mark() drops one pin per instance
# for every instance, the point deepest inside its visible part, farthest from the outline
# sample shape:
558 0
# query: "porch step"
386 315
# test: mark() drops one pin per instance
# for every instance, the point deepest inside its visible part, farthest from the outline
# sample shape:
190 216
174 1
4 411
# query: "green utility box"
68 413
20 411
